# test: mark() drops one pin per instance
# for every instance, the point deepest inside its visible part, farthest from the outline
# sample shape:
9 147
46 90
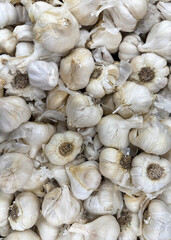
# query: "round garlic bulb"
24 235
15 171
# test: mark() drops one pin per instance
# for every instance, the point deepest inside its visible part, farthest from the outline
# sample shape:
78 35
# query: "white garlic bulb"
23 33
133 99
84 179
15 171
103 228
43 75
63 147
106 200
60 207
82 112
150 173
113 130
103 80
24 211
133 203
24 49
8 14
56 99
150 70
14 112
152 137
59 174
157 221
26 235
7 42
165 9
76 68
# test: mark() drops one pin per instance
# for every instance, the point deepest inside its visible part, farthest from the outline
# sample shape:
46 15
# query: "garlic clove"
23 33
7 13
133 203
26 235
23 49
7 42
59 174
56 99
165 9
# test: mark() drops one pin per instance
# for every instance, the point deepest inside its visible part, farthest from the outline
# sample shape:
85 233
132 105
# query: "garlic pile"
85 120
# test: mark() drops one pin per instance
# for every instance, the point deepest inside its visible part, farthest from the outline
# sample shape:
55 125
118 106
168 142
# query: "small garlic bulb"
24 211
23 33
103 228
7 42
60 207
113 130
133 99
63 147
106 200
59 174
24 235
157 221
103 80
56 99
84 179
133 203
153 137
14 112
15 171
76 68
150 70
24 49
165 9
150 173
43 75
8 14
82 112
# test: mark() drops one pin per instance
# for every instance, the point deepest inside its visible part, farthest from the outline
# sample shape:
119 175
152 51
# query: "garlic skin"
23 33
153 137
133 99
76 68
128 49
107 104
133 203
105 200
150 173
92 150
65 26
98 229
24 212
60 207
165 9
150 70
84 179
7 42
14 112
113 130
158 40
7 13
103 80
82 112
15 171
66 235
63 147
43 75
56 99
157 224
166 196
59 174
24 49
26 235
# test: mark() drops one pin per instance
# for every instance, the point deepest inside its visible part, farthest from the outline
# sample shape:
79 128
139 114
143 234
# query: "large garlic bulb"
24 235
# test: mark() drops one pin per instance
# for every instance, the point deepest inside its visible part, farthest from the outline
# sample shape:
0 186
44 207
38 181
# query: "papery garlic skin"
157 224
59 174
7 42
76 68
150 70
165 9
106 200
14 112
26 235
103 228
63 147
150 173
153 137
24 211
60 207
82 112
92 150
7 13
43 75
84 179
24 49
56 99
133 203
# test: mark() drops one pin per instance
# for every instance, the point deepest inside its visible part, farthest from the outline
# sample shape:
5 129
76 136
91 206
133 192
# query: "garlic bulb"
65 26
153 137
150 173
43 75
76 68
133 203
150 70
56 99
7 13
113 130
45 230
23 33
24 211
60 207
84 178
15 171
63 147
102 228
14 112
106 200
115 166
132 99
24 49
82 112
92 150
165 9
103 80
157 221
128 47
59 174
26 235
7 42
158 40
